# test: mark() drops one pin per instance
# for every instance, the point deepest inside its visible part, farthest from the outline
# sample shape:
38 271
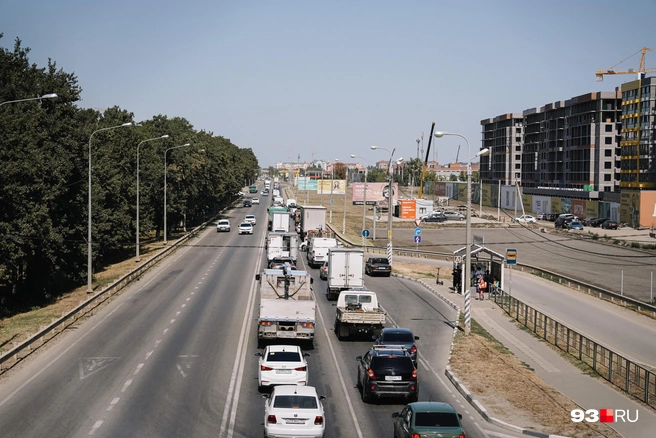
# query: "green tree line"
44 159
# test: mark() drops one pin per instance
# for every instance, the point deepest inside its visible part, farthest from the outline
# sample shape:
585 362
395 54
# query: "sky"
327 79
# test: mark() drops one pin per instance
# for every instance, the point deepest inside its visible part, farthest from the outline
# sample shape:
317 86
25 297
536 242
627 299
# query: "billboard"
305 183
527 203
541 204
578 208
408 208
376 192
338 186
508 195
630 207
490 195
592 209
440 188
556 205
648 208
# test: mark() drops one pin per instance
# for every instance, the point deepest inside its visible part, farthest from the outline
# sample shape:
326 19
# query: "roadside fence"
627 375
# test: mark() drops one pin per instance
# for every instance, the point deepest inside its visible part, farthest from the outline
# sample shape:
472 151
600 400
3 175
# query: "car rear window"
295 402
383 261
283 356
400 364
436 419
398 337
354 299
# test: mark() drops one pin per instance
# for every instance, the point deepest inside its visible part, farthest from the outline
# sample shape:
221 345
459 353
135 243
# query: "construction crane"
423 170
641 71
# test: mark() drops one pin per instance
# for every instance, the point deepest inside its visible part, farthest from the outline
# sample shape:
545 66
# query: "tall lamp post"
344 217
138 146
390 199
166 152
468 234
89 253
45 96
332 184
364 201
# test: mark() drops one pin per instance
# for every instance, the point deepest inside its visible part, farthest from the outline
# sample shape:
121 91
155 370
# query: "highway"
174 355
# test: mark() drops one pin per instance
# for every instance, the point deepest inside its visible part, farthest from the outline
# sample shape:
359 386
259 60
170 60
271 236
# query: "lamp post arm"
46 96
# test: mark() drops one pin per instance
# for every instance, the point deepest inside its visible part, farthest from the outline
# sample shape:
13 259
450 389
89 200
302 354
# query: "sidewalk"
588 392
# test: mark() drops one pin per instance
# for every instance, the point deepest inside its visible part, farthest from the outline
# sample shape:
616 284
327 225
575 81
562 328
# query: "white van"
318 250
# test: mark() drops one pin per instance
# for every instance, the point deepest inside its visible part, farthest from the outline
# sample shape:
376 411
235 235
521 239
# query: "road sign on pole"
417 222
417 239
417 231
365 233
511 256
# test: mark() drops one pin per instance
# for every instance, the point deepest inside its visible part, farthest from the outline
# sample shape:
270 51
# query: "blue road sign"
365 233
511 256
417 231
417 239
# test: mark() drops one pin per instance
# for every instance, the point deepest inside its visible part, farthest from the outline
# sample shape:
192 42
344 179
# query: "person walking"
480 287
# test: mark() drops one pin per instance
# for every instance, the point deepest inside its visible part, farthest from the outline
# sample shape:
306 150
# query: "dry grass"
511 391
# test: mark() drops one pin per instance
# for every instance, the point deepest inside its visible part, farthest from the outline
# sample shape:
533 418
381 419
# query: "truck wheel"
338 330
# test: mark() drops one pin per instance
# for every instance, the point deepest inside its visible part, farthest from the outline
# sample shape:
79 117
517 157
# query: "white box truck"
358 312
282 245
280 222
287 308
345 271
313 217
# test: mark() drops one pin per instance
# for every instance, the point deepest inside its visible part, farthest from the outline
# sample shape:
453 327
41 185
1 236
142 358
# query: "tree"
377 175
339 171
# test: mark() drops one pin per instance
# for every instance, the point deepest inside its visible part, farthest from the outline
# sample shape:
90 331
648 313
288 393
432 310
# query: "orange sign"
408 208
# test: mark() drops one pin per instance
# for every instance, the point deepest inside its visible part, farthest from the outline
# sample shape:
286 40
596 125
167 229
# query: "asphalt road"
174 355
616 268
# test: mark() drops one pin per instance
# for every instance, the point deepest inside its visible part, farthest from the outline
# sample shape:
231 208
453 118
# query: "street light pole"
89 253
344 218
468 233
45 96
364 201
165 152
390 199
332 183
138 146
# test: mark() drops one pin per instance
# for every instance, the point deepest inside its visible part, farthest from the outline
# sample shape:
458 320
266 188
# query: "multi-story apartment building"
565 148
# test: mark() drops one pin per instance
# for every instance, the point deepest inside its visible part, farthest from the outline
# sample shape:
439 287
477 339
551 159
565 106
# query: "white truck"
358 312
279 245
313 217
290 203
317 250
287 308
280 222
345 271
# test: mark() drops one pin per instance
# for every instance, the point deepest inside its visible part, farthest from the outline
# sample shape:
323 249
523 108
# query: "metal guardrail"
96 299
604 294
625 374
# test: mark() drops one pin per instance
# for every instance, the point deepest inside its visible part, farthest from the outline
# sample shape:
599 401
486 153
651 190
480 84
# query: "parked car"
587 222
323 271
542 217
575 225
377 265
525 219
434 212
562 222
454 215
250 218
428 419
551 217
610 225
223 225
256 201
598 221
387 372
245 228
394 336
435 218
294 411
568 216
282 365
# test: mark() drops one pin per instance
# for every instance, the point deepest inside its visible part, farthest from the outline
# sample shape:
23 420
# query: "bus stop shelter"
482 259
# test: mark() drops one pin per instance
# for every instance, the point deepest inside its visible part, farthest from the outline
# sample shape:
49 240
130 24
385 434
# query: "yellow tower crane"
641 71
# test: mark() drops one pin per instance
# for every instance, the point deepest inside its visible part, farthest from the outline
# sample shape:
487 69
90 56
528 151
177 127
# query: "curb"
462 389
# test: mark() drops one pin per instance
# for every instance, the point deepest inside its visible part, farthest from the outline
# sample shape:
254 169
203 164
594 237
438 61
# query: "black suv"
387 372
395 336
248 203
377 265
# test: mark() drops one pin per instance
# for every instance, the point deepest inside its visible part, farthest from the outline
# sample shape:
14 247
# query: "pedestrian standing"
480 287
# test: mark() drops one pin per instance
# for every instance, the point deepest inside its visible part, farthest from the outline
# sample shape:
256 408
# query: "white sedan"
256 201
245 228
250 218
293 411
525 219
282 365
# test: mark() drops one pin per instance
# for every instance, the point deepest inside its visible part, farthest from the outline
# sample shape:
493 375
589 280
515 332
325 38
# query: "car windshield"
398 337
283 356
400 364
295 402
436 419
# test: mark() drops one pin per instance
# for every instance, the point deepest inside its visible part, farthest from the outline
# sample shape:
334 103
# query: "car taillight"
415 435
271 419
307 324
462 435
318 420
266 323
265 368
413 350
414 375
300 369
388 268
371 374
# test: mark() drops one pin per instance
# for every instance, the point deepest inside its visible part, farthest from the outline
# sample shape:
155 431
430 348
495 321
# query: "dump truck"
287 308
345 271
358 312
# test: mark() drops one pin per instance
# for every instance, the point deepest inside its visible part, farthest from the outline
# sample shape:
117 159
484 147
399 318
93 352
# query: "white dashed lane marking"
112 404
138 368
126 384
95 427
